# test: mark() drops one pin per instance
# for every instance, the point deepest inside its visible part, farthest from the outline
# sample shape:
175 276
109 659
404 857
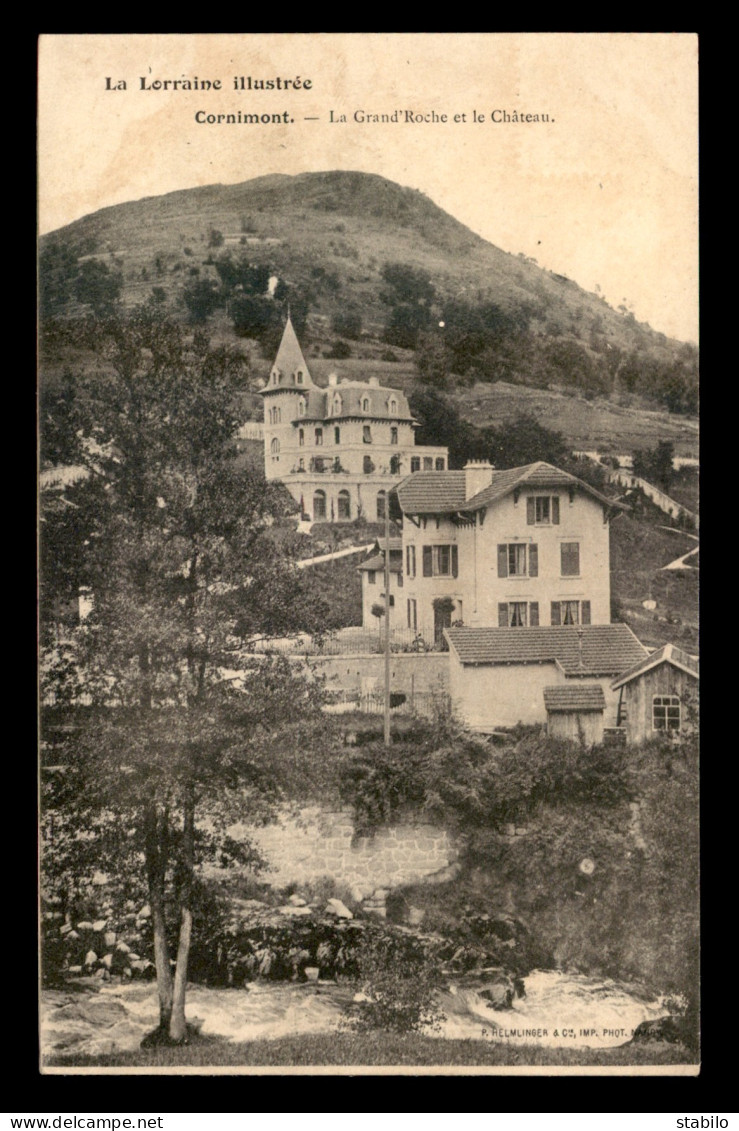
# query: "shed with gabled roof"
657 694
575 711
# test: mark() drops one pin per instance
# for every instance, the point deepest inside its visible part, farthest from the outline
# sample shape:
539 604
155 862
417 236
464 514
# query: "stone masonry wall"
321 842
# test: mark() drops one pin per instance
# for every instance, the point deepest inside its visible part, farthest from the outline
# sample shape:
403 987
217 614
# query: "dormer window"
365 404
275 376
337 405
299 376
393 407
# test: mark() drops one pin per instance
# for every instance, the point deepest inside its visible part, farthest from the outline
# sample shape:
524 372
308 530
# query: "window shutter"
586 612
427 567
502 615
455 562
534 614
556 618
502 561
530 511
533 560
555 509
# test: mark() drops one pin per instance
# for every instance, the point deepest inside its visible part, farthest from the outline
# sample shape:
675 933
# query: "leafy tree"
201 297
98 286
178 563
655 465
347 324
524 441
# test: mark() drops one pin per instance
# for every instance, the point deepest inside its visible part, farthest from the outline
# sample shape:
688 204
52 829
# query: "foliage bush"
399 980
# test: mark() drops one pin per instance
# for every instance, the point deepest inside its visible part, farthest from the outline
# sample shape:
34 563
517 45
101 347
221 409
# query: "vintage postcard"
369 553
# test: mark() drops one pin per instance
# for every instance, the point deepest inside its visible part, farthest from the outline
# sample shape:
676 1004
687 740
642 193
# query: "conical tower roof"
290 360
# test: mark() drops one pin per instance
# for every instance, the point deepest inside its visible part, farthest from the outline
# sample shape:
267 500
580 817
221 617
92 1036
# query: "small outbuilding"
575 712
654 694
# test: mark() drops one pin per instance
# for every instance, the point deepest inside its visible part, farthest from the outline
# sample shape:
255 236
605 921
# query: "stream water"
559 1010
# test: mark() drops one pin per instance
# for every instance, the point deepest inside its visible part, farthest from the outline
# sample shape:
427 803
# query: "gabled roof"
443 492
606 648
575 697
377 563
667 654
395 544
432 492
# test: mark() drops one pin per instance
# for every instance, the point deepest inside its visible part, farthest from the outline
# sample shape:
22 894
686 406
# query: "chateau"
339 450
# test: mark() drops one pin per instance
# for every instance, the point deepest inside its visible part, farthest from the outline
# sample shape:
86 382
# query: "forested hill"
365 263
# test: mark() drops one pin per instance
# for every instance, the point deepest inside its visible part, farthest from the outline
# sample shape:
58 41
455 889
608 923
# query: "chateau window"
410 561
440 463
275 449
337 405
518 559
319 437
301 464
542 510
367 465
428 463
517 614
381 499
301 407
393 435
345 510
366 434
570 612
337 435
415 463
319 505
570 559
440 561
666 712
301 436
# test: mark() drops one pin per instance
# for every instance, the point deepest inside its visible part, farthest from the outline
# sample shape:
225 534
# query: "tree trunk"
178 1025
156 867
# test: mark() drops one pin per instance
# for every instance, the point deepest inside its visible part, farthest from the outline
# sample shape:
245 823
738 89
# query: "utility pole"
387 618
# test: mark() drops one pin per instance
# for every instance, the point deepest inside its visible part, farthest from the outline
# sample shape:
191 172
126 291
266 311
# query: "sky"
604 189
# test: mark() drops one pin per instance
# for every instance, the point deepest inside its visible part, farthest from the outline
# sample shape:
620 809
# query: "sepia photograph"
368 554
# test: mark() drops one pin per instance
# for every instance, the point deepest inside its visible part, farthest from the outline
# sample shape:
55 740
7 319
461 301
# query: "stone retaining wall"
320 842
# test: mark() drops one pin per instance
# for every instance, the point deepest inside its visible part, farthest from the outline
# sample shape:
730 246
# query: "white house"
519 548
372 572
498 677
340 449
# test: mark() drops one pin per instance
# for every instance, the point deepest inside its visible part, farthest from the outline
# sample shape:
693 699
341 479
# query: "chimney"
478 474
333 379
374 381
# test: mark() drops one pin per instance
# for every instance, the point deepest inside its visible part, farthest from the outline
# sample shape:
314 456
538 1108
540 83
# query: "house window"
542 510
666 712
301 436
319 437
395 465
345 510
415 463
440 463
371 577
570 612
570 557
366 434
319 505
428 463
518 559
393 435
337 435
381 498
412 617
514 614
410 561
440 561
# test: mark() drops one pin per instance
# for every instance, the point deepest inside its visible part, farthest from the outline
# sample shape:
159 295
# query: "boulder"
121 947
336 907
90 958
288 909
74 969
110 938
499 993
297 901
145 912
85 925
65 929
73 935
416 916
107 961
